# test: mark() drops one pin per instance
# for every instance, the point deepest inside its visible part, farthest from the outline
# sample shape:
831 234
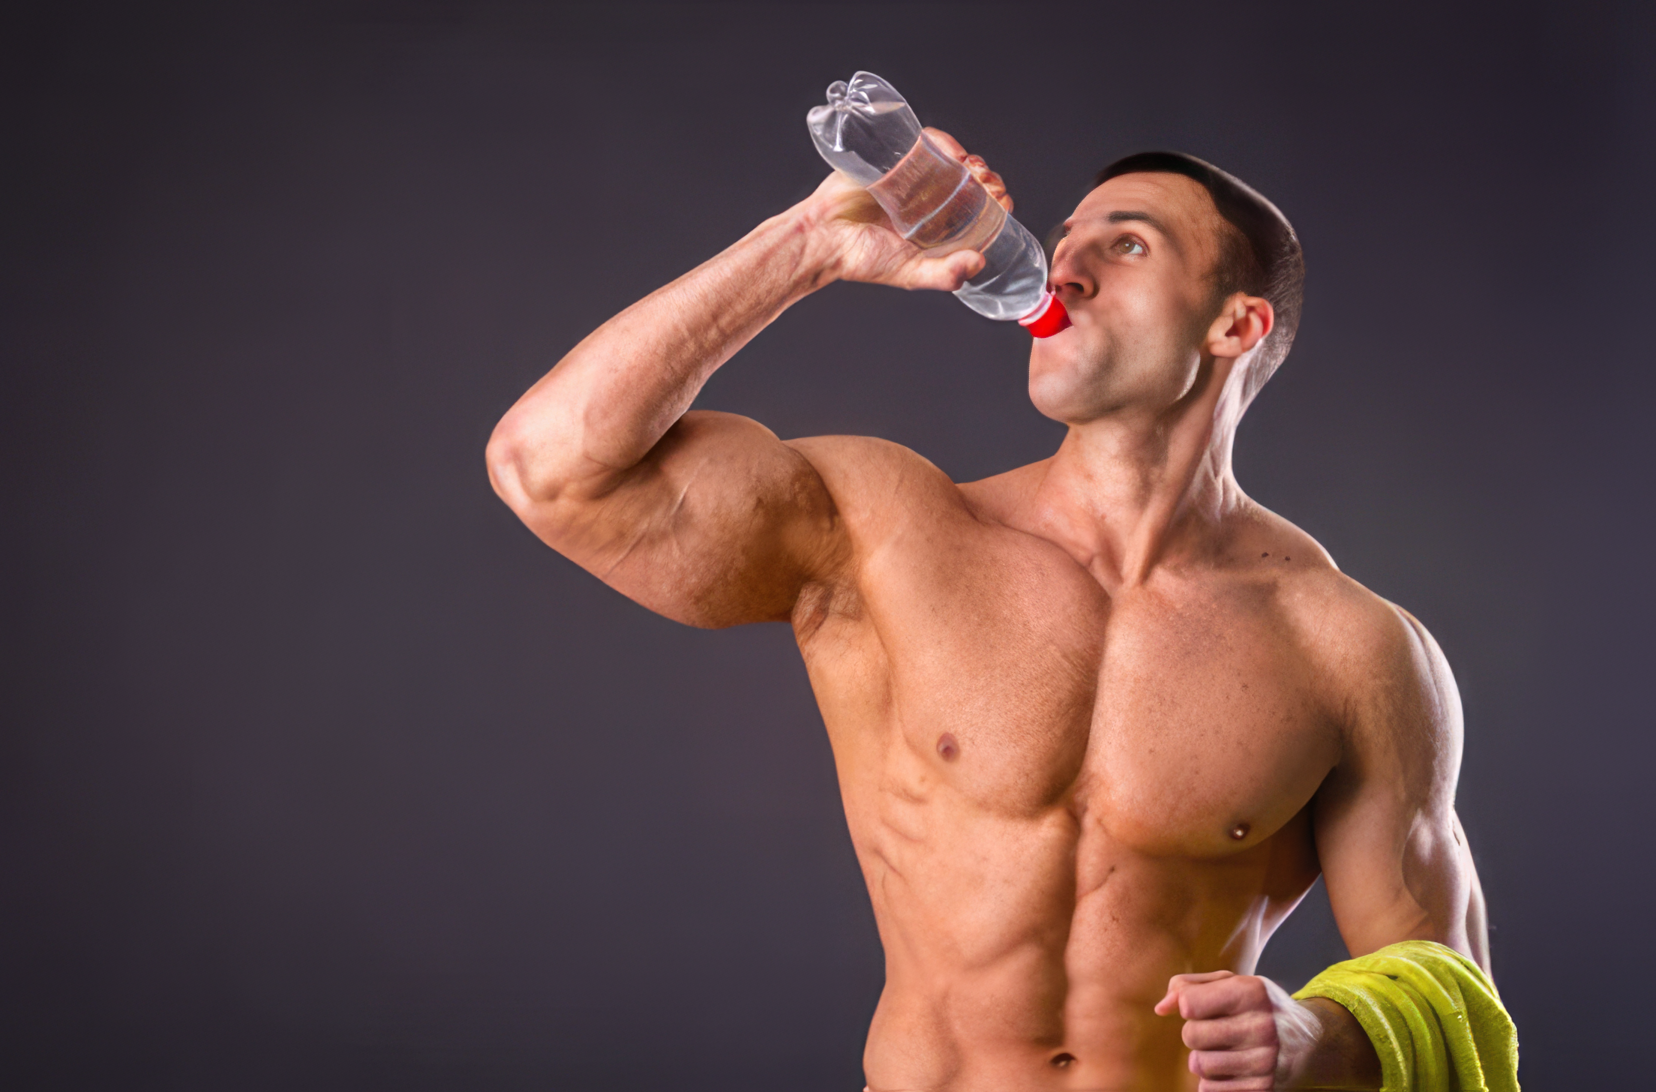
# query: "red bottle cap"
1047 319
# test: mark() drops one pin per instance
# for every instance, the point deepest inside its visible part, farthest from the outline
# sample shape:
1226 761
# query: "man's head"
1167 261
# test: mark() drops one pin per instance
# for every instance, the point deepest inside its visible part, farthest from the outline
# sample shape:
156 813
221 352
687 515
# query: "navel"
948 747
1240 831
1062 1061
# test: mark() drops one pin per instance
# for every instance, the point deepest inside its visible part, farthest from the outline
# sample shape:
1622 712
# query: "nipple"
1240 831
948 747
1062 1061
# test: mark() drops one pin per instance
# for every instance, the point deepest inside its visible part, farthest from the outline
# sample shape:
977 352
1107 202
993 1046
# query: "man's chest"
999 674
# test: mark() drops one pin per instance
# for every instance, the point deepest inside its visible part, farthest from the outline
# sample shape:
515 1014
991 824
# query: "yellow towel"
1434 1017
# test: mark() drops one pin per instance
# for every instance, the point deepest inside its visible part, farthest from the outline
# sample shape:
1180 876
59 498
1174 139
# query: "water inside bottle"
867 131
936 204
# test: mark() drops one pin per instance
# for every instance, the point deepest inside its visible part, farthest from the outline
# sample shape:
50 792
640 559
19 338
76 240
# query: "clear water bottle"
867 131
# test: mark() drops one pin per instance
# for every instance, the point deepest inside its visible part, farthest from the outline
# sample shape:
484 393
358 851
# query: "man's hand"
864 247
1244 1032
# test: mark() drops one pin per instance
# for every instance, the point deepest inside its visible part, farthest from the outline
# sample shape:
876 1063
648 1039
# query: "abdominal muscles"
1029 953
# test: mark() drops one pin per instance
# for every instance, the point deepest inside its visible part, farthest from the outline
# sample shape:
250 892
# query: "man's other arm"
706 518
1394 855
1395 862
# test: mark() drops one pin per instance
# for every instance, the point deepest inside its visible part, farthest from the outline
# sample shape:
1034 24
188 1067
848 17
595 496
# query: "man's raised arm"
706 518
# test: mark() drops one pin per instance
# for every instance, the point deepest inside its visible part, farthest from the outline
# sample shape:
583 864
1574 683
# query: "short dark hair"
1262 257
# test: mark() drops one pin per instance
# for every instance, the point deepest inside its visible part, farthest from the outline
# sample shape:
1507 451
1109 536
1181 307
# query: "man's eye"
1127 246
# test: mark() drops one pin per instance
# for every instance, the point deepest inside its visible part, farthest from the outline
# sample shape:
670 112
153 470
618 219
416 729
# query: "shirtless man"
1099 721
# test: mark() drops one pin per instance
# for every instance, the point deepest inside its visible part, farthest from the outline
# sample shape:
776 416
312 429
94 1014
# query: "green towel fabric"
1433 1015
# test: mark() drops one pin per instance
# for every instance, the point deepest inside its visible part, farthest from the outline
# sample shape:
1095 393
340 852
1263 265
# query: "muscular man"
1099 721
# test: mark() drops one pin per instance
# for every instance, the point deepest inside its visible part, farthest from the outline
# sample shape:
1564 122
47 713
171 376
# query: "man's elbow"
520 469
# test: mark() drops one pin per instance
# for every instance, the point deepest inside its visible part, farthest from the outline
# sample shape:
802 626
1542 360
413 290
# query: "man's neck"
1136 488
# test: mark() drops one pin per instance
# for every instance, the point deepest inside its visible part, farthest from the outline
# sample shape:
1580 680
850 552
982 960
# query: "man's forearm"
1343 1057
607 403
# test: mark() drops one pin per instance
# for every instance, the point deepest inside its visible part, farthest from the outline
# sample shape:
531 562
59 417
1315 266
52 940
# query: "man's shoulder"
876 482
1367 646
1373 657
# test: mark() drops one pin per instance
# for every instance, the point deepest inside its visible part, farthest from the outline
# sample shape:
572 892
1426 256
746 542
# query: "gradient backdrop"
318 772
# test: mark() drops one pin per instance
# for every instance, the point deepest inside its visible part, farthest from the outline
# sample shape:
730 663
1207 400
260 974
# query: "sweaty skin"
1099 721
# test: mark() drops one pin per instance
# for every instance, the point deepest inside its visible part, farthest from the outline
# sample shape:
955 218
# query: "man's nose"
1068 277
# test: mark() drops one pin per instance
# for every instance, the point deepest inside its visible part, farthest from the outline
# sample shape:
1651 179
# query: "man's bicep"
1400 873
720 524
1393 853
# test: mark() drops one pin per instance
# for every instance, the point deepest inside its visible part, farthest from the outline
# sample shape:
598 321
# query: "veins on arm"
662 525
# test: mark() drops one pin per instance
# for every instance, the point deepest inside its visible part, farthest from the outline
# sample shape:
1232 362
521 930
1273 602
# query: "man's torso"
1060 797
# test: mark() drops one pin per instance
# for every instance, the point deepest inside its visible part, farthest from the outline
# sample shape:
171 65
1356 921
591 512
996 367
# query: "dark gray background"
318 771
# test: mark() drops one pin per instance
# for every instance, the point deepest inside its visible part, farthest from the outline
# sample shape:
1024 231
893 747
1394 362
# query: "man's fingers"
1242 1031
1231 1029
947 144
1237 993
1255 1062
1237 1084
947 273
987 178
1181 982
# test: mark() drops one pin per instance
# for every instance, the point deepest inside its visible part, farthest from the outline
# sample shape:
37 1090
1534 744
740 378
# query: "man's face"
1135 273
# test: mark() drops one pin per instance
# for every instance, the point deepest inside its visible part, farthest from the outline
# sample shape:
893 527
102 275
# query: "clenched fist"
1246 1034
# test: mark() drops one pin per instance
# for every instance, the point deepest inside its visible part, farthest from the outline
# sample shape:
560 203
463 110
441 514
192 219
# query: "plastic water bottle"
867 131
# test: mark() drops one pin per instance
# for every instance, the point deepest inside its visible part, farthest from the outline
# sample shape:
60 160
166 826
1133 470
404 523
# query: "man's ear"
1243 323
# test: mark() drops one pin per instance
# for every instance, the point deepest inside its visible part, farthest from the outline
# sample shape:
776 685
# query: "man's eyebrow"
1141 217
1134 216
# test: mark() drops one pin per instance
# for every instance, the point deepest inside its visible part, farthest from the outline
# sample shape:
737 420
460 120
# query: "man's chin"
1057 401
1063 386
